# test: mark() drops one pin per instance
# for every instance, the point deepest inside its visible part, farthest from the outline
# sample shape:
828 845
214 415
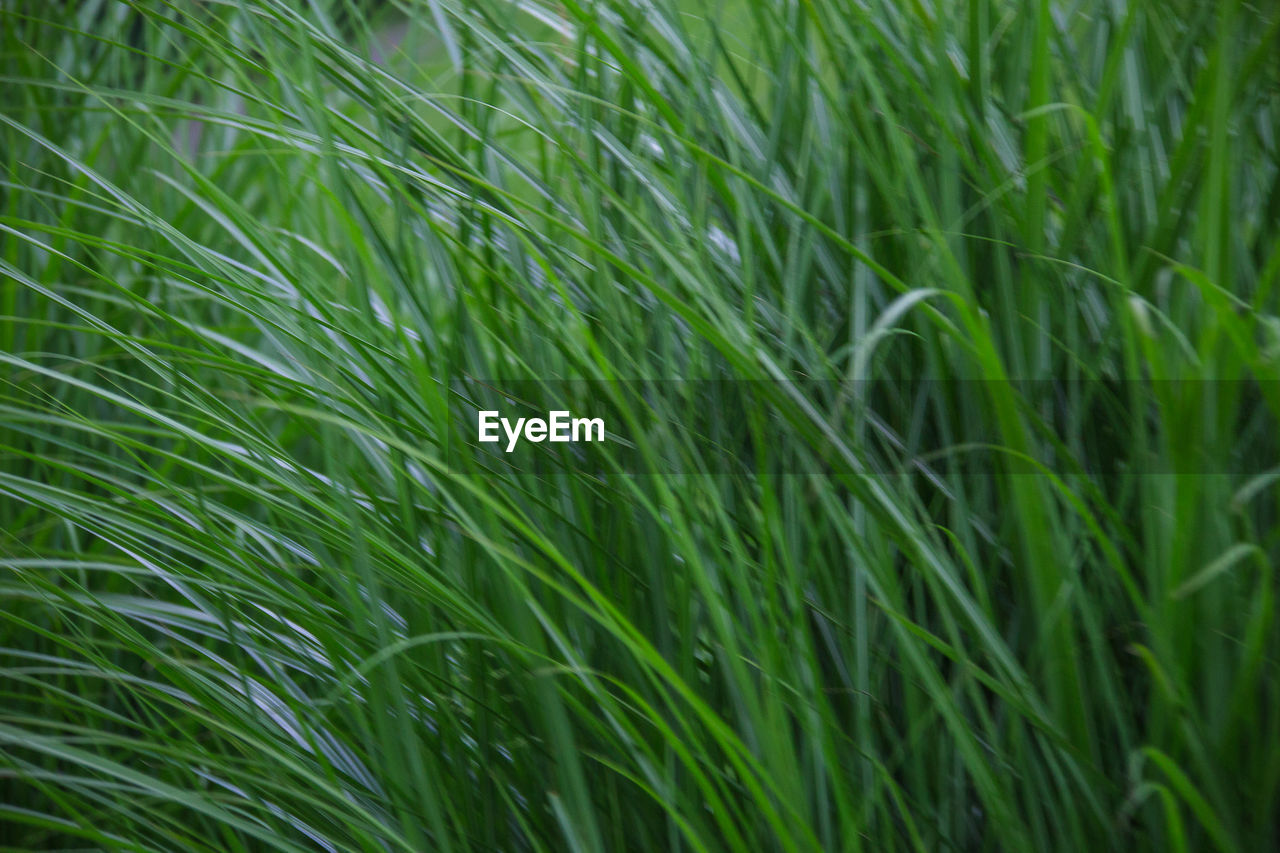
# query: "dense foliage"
249 598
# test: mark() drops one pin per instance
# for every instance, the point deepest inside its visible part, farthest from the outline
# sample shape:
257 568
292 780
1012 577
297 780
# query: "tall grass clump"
986 563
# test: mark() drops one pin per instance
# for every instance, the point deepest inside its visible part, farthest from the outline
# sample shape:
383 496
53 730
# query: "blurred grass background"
248 604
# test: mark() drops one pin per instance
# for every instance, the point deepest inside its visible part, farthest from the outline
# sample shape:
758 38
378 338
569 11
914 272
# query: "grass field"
941 347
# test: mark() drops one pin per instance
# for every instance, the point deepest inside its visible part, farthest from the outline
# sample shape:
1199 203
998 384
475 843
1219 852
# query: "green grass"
255 594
